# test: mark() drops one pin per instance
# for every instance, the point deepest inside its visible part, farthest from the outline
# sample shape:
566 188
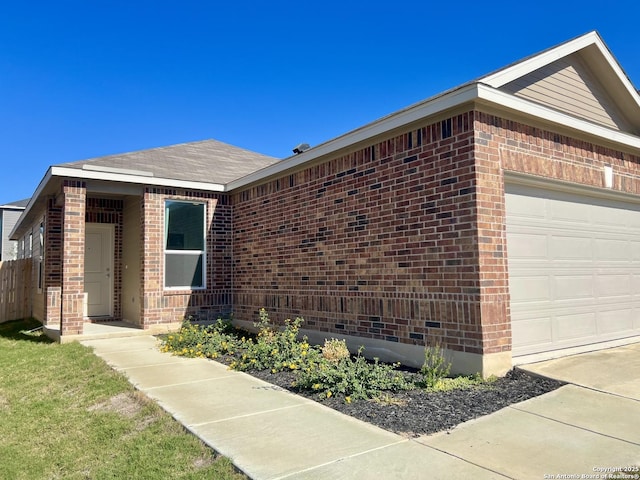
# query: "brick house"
500 218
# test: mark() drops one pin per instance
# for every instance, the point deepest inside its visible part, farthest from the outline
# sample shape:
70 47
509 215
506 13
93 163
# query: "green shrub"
351 378
274 349
197 341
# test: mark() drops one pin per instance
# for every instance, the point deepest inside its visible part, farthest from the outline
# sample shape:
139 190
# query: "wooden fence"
15 289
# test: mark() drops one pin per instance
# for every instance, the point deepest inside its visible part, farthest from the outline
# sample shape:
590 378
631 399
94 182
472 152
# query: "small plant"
435 366
335 350
197 341
273 349
388 399
350 378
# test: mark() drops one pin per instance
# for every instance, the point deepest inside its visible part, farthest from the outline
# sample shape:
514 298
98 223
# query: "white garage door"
574 269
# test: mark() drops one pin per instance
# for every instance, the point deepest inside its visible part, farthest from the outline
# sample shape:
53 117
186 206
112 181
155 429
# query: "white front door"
98 269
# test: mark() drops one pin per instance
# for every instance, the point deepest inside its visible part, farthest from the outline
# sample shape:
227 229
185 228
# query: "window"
41 257
184 245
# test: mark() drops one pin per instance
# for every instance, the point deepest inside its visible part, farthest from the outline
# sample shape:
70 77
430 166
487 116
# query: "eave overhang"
56 174
478 96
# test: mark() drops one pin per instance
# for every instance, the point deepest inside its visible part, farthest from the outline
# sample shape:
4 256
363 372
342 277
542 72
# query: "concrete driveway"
587 428
615 370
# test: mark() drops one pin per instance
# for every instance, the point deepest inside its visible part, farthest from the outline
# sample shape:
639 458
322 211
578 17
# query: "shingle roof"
18 204
205 161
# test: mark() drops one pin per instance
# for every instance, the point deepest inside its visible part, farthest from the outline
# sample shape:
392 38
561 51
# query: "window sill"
182 291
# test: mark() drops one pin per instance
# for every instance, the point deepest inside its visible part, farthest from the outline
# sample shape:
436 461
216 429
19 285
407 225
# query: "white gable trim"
134 177
525 107
520 69
524 67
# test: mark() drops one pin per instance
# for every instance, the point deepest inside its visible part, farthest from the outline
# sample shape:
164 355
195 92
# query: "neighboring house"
500 218
9 215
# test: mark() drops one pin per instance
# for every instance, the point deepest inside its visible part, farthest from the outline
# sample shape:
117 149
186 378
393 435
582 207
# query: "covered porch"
90 272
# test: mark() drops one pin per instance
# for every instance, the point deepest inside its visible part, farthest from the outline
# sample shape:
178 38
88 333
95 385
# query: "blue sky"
81 79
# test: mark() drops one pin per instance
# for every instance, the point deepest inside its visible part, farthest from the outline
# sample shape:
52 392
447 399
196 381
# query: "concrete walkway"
270 433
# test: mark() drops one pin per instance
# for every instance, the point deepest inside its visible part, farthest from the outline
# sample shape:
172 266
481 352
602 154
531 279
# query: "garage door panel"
531 288
606 216
570 287
534 331
570 247
569 212
616 320
574 269
614 250
613 286
527 246
528 207
576 326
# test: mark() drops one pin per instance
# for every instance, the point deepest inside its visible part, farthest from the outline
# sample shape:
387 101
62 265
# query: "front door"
98 269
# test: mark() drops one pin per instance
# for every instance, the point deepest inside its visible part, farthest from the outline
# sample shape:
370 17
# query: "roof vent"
303 147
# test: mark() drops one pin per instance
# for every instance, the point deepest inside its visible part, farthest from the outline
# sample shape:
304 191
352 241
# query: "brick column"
73 239
492 239
52 275
52 307
151 261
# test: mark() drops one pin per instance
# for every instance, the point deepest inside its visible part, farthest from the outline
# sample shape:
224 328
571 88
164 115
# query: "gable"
569 86
580 78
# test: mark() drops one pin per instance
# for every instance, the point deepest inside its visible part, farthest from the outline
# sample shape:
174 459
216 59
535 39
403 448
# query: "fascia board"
56 171
400 119
502 77
11 207
526 107
478 93
132 178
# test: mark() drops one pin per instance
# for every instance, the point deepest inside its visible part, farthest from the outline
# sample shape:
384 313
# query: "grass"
65 414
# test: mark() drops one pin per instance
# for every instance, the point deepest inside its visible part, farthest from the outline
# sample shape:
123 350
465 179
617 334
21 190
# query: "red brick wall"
378 243
52 282
168 306
404 240
525 149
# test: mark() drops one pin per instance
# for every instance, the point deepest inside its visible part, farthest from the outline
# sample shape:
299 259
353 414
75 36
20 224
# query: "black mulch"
416 412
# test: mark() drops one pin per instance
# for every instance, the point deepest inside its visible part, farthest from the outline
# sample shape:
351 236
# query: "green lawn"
64 414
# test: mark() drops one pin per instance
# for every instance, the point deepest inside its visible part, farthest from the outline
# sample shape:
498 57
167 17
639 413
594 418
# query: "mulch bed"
417 412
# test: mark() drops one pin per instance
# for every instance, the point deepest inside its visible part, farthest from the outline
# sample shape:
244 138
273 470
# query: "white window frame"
41 256
203 252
